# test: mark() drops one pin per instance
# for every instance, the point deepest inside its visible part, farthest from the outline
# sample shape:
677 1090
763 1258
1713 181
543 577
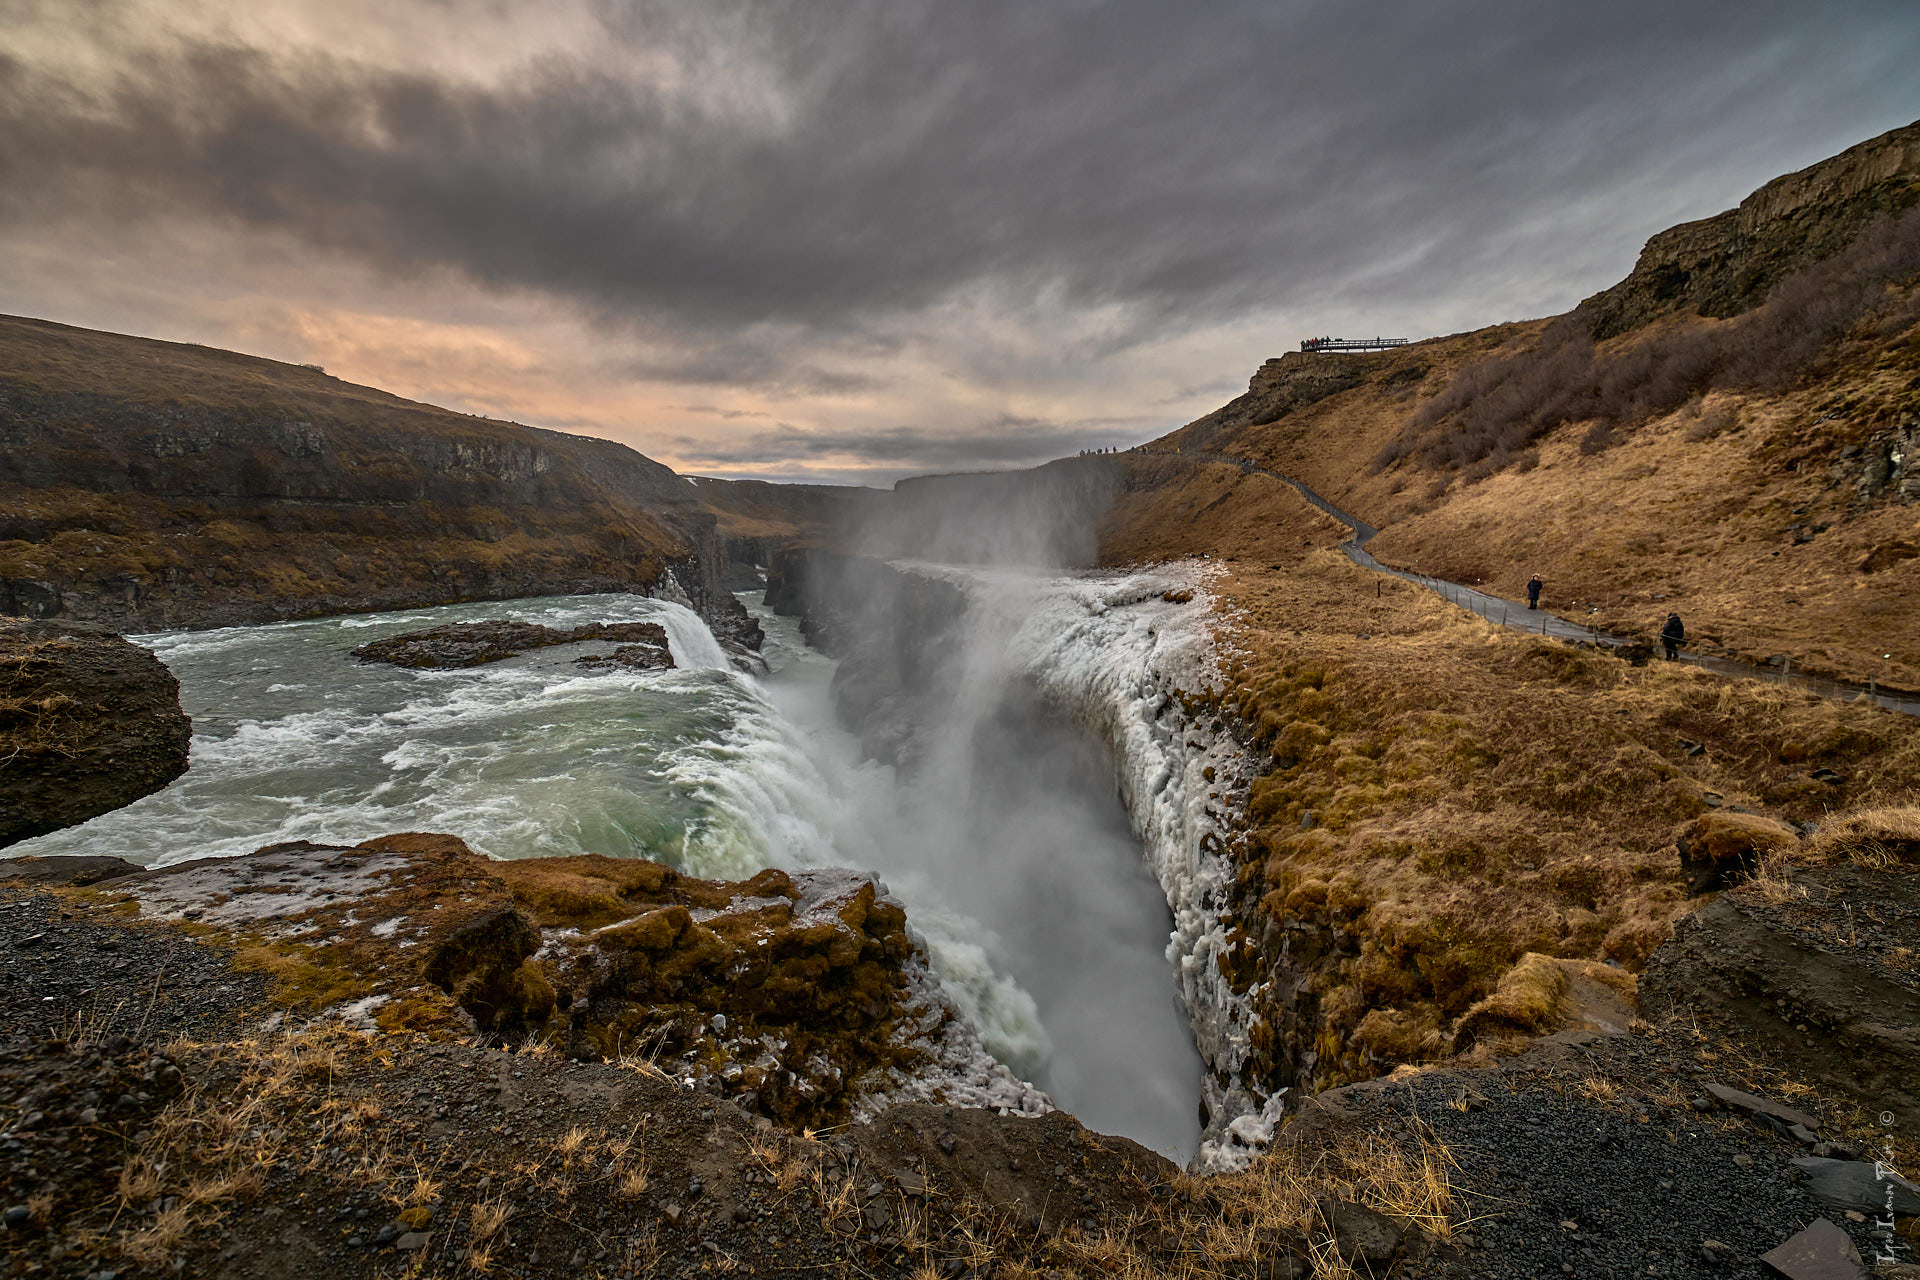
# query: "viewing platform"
1350 344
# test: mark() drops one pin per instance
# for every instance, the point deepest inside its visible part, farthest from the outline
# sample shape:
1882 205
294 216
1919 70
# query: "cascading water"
1010 820
1010 849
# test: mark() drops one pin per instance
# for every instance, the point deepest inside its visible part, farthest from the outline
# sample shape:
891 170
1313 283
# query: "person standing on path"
1533 592
1671 635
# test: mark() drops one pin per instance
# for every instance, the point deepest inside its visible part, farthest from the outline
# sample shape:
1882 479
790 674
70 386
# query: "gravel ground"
76 979
1573 1165
1870 917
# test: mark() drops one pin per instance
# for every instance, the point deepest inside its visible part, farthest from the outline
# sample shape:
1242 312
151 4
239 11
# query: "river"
1018 867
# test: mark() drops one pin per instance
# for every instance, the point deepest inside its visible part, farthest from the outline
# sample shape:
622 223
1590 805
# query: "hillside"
151 484
1731 432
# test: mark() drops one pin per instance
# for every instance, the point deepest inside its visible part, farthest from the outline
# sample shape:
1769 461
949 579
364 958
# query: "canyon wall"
148 485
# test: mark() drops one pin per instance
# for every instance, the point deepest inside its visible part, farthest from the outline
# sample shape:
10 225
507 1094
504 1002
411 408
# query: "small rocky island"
643 645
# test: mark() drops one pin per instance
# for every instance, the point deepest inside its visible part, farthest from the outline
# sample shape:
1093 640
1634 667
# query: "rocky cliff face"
1724 265
802 995
1048 516
88 723
148 484
1294 381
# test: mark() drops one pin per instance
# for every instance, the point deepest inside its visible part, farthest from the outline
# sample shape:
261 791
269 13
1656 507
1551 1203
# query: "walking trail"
1514 614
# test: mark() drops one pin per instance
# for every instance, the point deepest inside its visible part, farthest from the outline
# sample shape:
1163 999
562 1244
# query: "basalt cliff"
149 485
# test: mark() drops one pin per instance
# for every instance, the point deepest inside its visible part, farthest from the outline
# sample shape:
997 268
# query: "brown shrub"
1492 411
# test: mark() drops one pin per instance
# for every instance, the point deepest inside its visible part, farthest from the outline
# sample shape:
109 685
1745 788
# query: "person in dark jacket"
1533 592
1671 635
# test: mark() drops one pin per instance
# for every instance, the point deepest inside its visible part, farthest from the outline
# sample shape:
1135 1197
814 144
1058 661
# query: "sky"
847 241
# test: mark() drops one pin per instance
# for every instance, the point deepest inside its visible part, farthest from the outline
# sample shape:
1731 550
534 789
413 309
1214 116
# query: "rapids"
1019 864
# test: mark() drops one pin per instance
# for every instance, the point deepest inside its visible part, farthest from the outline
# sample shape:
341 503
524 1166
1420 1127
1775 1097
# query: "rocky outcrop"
1724 265
473 644
802 995
1817 971
1886 463
149 484
88 723
1280 386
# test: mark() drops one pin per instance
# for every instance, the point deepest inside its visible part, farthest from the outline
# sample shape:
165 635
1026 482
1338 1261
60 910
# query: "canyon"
1450 909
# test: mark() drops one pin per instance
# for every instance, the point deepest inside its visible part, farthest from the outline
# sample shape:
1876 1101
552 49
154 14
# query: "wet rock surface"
88 722
473 644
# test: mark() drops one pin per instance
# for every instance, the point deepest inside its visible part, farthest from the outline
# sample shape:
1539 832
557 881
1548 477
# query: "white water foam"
1112 651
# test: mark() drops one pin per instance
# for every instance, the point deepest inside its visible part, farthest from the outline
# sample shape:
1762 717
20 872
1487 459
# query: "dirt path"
1515 615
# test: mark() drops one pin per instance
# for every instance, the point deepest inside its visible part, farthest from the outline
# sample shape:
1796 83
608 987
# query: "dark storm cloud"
868 159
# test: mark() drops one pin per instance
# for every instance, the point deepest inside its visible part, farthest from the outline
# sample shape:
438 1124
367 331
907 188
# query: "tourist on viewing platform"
1533 591
1672 634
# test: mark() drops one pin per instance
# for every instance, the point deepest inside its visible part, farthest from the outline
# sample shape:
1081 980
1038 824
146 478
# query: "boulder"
1821 1252
88 722
1361 1235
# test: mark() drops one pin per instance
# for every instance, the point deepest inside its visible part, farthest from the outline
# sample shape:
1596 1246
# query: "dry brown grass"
1530 998
1454 795
1773 881
1879 838
1670 517
488 1217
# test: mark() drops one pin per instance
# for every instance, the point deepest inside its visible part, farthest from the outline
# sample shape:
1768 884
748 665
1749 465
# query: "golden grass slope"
1749 514
1441 796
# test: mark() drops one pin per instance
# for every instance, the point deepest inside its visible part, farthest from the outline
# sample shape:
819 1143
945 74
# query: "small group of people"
1672 636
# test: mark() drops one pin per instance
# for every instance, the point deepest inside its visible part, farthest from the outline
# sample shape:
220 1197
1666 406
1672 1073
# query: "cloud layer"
860 238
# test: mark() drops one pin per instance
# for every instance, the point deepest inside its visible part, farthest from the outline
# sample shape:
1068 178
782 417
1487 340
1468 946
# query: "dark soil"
88 723
473 644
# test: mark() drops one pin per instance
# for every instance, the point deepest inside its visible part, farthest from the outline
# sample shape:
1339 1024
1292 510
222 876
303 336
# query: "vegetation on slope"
1442 797
1757 474
1454 823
